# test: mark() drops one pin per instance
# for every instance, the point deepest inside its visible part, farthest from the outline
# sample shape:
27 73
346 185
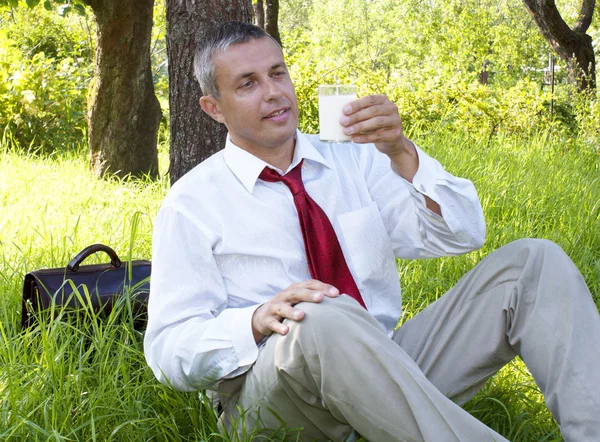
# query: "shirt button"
422 188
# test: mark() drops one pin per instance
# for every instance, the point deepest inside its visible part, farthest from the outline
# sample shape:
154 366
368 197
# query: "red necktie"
323 252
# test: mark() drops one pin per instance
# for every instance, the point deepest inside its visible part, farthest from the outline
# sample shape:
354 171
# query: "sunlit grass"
88 380
540 187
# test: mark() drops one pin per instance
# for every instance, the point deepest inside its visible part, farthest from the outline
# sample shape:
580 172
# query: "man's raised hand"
375 119
267 318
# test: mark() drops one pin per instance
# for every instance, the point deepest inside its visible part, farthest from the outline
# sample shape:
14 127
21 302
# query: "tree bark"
259 14
272 19
123 112
574 46
194 135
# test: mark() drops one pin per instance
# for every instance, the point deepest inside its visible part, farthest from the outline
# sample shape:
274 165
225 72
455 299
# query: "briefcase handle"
90 250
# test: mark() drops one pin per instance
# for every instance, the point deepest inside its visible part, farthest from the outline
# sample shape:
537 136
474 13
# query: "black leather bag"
96 286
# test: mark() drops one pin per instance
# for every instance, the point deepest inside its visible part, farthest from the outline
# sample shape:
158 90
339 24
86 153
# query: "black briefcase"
96 288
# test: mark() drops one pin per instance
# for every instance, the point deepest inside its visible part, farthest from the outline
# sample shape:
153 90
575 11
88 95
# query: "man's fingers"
284 310
381 117
273 325
373 125
308 291
382 136
387 108
373 119
314 284
364 102
272 322
295 296
267 319
327 289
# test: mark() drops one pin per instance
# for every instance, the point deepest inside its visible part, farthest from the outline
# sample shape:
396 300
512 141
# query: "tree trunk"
194 135
272 19
123 112
581 61
574 46
259 14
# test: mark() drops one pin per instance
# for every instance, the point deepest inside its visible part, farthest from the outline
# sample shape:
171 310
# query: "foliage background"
45 67
46 64
537 173
427 57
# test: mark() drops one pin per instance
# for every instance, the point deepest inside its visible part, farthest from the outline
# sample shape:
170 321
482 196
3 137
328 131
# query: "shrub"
428 58
45 68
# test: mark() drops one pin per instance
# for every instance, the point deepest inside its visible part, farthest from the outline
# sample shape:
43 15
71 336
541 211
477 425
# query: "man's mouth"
276 113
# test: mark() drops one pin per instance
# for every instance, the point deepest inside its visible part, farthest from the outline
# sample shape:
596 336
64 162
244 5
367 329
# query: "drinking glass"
332 99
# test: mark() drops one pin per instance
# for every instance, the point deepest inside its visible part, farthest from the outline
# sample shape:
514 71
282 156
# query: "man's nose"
272 90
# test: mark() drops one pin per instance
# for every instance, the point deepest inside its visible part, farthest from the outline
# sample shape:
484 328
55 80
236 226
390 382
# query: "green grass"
89 380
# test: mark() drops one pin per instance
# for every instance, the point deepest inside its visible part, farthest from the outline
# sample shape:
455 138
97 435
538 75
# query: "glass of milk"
332 99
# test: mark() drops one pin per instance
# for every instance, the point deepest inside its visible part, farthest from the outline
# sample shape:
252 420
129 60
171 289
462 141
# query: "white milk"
330 112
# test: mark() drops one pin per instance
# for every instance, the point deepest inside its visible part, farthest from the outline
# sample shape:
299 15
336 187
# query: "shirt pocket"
367 248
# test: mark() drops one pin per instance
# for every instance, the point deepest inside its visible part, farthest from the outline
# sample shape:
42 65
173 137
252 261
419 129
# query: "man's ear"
210 105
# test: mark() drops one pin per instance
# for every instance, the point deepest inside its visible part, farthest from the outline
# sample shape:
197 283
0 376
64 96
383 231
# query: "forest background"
472 83
481 67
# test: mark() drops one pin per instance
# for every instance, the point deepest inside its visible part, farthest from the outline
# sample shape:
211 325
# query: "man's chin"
279 139
285 130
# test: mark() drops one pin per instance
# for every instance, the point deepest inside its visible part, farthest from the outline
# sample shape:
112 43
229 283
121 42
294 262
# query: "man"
274 278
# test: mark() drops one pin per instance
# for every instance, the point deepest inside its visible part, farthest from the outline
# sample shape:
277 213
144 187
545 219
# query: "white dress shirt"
225 242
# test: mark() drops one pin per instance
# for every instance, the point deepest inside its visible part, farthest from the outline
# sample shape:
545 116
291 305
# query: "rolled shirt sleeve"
414 230
193 339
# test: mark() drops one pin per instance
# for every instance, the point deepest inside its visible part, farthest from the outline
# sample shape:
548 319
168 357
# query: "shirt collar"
247 167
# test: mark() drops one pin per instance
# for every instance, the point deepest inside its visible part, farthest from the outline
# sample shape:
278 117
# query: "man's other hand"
267 319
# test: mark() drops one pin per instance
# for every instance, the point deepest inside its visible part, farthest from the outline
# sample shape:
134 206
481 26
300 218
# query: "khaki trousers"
337 371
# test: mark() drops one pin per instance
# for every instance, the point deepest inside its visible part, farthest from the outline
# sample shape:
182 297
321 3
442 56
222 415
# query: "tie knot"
292 179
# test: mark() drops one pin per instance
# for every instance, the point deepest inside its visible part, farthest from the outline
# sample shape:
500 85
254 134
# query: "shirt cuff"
428 175
244 344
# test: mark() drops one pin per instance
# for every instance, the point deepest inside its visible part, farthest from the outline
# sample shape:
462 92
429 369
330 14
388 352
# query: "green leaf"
32 3
48 5
79 8
13 3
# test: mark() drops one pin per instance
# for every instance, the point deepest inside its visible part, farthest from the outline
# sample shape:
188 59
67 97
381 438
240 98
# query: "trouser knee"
544 264
537 248
331 313
534 256
329 323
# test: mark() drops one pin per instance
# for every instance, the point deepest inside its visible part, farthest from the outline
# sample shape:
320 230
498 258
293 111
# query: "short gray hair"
216 40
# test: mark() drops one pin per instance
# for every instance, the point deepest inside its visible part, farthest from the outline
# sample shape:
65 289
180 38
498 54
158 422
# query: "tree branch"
548 19
585 16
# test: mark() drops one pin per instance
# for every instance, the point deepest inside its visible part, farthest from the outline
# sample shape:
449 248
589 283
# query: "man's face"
258 102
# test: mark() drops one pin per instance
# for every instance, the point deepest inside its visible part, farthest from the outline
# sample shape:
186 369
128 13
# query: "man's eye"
247 84
279 73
